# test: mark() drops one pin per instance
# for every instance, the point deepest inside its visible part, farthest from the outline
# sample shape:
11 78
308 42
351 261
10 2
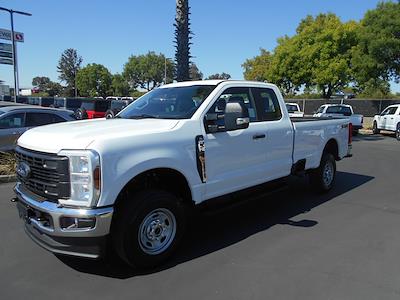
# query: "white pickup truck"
129 182
388 120
294 110
341 111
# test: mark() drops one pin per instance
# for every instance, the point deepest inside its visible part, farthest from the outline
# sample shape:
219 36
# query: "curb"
7 178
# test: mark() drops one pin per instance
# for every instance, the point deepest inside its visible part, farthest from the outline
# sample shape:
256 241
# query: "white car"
294 110
132 181
341 111
389 120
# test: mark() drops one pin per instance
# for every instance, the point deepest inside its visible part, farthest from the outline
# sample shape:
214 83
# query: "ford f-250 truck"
128 182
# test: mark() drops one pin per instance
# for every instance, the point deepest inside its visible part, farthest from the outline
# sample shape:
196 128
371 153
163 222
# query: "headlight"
85 177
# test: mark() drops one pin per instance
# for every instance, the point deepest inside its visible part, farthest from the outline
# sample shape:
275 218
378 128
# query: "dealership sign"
6 35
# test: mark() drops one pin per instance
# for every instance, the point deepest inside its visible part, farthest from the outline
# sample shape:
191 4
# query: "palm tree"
182 40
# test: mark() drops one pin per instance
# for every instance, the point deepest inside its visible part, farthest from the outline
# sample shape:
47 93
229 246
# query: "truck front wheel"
323 178
148 228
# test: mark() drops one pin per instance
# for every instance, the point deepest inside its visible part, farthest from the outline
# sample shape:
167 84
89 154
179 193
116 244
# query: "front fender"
126 167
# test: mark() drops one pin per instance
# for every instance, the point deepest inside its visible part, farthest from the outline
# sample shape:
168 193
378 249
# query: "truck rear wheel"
323 178
148 228
398 132
375 129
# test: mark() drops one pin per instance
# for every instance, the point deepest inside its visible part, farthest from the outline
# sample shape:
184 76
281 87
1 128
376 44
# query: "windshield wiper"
143 116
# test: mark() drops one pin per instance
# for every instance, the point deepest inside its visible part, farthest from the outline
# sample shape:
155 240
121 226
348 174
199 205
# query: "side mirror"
236 116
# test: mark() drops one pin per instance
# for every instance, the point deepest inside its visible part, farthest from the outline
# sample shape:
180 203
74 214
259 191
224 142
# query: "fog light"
71 223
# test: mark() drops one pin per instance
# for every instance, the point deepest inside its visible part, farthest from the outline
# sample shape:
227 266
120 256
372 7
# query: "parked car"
113 98
132 181
341 111
91 109
116 106
41 101
294 110
16 119
389 120
68 103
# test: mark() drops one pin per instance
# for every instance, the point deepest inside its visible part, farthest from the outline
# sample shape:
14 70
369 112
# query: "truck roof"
213 82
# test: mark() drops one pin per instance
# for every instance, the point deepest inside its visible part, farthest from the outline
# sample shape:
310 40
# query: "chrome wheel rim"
157 231
328 173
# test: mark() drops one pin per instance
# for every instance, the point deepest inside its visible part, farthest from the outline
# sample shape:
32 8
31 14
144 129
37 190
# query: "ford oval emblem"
23 170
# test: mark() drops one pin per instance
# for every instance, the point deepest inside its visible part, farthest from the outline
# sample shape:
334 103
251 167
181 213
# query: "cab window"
12 121
267 104
237 94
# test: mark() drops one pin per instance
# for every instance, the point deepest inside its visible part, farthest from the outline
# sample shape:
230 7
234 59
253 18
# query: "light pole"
16 79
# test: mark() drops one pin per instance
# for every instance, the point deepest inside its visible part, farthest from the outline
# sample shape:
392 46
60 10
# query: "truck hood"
80 134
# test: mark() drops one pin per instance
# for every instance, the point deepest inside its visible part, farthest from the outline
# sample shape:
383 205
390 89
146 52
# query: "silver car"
15 120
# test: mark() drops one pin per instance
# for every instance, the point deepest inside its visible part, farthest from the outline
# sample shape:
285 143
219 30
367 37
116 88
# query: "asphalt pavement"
292 244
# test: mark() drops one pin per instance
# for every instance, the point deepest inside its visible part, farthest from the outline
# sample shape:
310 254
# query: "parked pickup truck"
294 110
389 120
341 111
129 182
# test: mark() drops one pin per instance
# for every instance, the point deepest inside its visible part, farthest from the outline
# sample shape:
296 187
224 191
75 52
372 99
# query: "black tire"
81 114
110 114
398 132
323 178
355 132
131 218
375 129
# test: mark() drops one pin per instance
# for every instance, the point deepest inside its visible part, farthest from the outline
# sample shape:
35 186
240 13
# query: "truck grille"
48 174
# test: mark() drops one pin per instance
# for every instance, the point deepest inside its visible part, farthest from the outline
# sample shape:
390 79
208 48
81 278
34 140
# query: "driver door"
235 159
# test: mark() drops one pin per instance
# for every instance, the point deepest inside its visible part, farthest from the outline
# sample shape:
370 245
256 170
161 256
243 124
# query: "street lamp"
16 82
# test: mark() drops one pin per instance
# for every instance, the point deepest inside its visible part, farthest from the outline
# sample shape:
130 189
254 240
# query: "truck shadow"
213 231
368 137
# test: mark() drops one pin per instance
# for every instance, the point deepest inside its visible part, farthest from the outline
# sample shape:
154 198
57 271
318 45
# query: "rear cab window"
337 109
267 104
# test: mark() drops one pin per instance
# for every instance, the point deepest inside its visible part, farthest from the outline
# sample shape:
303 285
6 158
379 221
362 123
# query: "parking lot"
291 244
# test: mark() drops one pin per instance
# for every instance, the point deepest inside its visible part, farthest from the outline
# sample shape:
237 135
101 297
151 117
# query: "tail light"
350 133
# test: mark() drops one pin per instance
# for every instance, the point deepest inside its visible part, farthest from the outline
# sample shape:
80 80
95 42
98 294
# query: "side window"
38 119
385 112
237 94
12 121
57 119
392 111
267 104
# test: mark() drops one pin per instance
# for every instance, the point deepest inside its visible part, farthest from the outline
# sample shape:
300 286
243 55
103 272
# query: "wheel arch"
332 147
167 179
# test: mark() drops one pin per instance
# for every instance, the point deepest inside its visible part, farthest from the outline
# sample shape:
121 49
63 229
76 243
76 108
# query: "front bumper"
44 224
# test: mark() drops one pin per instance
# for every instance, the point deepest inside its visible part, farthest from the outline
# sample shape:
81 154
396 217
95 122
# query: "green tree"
182 40
68 67
258 67
195 73
47 87
376 59
120 86
40 82
147 71
94 80
223 75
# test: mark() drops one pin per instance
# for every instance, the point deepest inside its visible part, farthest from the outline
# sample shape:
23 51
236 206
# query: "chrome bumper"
42 224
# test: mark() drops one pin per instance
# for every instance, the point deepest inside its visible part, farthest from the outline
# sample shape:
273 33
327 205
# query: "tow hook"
15 199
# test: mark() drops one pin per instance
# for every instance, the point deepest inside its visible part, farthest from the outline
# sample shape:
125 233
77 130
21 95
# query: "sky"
226 33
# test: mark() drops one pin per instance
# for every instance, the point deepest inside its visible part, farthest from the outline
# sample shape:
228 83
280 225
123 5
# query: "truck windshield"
168 103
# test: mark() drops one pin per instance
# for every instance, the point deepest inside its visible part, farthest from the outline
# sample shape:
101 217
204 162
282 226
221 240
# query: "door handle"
258 136
391 118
